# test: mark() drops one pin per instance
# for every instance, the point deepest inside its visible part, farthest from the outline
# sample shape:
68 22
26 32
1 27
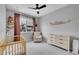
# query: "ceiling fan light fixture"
37 10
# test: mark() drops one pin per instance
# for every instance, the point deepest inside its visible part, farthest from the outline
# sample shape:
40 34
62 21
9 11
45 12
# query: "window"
26 24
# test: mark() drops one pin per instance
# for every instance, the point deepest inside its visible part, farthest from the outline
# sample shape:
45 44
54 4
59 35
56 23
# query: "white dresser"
60 41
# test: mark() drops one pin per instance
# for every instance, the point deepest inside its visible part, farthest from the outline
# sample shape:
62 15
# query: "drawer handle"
60 43
61 35
61 39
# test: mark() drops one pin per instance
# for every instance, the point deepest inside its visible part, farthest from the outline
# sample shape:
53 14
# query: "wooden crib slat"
15 49
12 49
22 49
18 46
9 50
5 52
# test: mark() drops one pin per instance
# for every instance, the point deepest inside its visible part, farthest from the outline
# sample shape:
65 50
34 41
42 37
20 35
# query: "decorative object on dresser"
61 41
37 37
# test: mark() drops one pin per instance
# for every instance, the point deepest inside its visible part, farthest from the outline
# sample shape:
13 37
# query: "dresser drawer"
61 37
52 36
52 41
62 40
62 44
59 40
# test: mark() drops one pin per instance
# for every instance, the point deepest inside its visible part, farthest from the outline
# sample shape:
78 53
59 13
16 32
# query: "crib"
13 48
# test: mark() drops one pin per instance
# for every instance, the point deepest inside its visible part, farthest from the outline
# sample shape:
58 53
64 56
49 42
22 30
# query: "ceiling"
23 8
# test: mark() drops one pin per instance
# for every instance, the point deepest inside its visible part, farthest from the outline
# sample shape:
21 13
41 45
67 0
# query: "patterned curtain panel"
16 27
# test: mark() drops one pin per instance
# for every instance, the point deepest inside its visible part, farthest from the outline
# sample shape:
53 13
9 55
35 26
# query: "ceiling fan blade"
32 8
42 6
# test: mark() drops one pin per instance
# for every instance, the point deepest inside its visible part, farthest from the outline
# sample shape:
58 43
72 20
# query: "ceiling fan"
37 8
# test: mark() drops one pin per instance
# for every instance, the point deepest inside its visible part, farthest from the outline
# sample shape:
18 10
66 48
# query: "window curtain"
34 24
17 27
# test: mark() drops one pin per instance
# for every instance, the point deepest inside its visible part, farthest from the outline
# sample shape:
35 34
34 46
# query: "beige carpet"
44 49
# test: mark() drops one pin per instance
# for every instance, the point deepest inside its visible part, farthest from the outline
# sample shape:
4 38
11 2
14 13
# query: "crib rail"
14 48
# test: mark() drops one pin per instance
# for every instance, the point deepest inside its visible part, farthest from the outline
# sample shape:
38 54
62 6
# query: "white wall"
9 13
2 21
65 13
10 33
